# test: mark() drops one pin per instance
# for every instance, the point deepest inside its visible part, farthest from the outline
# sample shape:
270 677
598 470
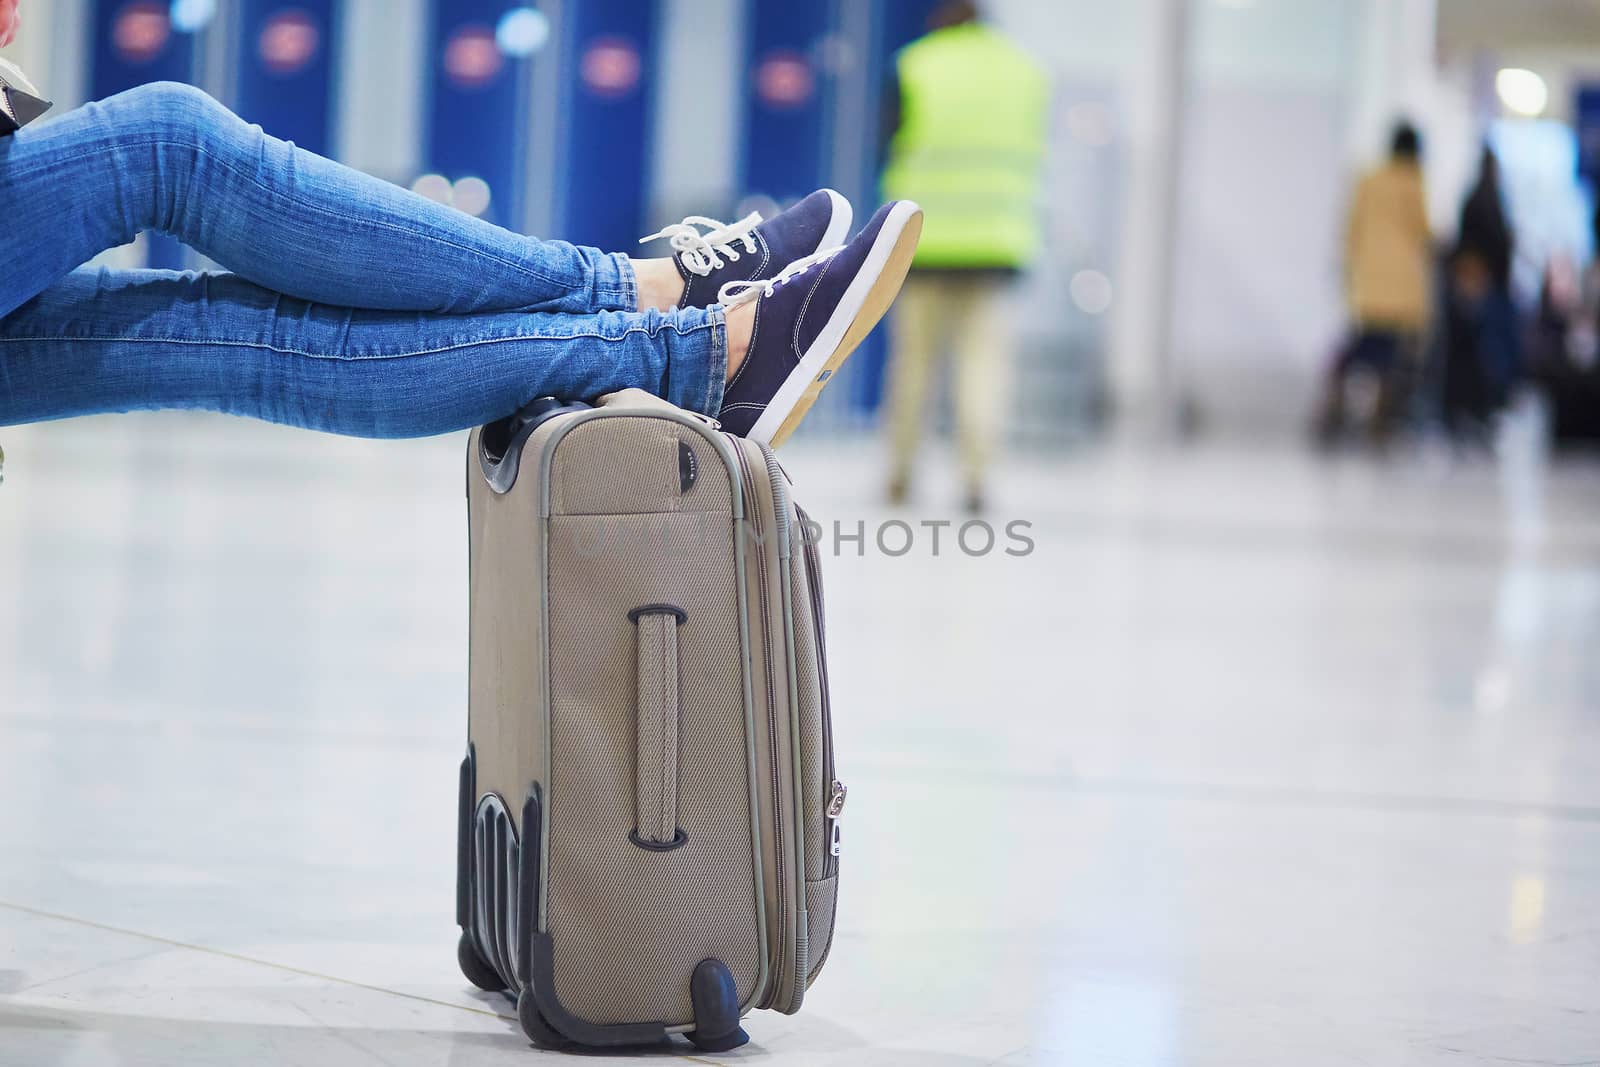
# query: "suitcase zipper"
781 505
753 513
836 792
833 789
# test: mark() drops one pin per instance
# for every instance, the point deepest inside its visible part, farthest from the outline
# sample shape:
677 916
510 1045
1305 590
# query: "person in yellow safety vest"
965 120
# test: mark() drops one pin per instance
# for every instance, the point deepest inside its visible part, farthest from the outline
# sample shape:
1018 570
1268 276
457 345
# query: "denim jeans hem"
697 361
717 364
616 288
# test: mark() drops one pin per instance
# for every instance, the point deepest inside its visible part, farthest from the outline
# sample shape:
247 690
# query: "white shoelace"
732 294
703 252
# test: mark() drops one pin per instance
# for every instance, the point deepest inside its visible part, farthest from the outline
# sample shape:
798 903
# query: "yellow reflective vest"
969 146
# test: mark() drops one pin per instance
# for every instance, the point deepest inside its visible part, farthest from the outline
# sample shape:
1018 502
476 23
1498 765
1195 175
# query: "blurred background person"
967 133
1479 335
1387 257
1562 361
1484 230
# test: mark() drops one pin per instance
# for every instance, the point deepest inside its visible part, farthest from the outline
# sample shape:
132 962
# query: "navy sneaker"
809 317
750 249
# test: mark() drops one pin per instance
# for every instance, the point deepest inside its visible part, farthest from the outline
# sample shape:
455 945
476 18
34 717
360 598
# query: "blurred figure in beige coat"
1388 263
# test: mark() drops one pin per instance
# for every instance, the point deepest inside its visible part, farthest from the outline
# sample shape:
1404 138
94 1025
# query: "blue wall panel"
896 24
285 58
476 117
609 67
132 43
806 64
787 96
1586 120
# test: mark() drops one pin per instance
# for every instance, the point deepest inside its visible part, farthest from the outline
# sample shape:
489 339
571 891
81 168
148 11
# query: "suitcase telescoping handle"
656 757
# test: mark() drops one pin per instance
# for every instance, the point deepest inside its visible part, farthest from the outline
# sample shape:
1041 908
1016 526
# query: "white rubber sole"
863 304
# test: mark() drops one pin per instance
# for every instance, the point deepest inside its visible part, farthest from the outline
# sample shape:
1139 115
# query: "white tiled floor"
1254 760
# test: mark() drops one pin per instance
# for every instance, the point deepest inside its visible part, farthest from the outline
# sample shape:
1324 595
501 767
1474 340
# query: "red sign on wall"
289 41
472 57
611 66
141 31
784 79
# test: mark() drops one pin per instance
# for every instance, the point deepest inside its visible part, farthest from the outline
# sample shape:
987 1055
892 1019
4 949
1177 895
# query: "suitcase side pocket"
822 904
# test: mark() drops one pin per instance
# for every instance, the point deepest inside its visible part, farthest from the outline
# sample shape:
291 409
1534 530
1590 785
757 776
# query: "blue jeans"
353 306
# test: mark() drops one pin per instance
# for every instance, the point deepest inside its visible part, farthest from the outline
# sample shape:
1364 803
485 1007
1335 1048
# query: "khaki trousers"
964 316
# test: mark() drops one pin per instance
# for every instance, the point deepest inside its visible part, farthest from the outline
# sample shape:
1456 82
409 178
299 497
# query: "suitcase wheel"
534 1024
716 1008
718 1044
478 972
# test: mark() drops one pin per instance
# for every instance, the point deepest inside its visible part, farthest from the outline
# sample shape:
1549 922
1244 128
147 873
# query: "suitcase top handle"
500 443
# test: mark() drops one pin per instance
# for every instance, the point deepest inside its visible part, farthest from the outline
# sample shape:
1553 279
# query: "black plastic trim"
679 839
658 609
536 1026
500 443
494 884
528 880
464 840
536 968
585 1033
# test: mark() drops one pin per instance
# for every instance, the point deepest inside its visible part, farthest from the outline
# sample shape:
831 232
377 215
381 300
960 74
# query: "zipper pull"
836 793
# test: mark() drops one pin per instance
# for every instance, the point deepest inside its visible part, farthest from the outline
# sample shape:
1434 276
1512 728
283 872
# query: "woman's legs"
168 157
102 340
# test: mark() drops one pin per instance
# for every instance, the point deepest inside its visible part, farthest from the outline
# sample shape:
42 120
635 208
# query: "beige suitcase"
648 823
